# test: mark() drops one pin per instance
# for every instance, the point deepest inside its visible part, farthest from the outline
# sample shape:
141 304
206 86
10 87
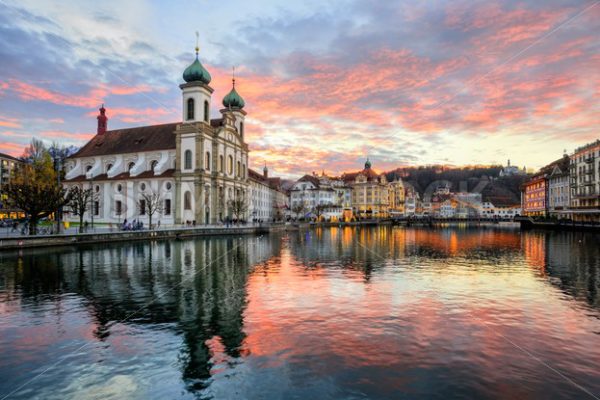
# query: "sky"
326 84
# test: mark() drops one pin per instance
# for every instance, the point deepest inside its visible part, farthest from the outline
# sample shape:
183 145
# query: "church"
198 167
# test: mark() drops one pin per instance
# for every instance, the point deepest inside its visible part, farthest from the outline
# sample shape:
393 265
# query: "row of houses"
568 188
367 194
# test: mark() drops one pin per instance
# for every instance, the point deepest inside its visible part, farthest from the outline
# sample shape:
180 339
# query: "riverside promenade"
12 242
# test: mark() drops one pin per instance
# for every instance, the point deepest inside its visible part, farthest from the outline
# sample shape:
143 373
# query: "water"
348 313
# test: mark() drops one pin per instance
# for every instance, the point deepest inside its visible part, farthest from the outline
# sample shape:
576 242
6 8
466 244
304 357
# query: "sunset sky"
402 82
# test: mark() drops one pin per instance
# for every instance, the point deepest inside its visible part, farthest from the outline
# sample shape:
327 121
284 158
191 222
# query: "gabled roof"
130 140
310 178
3 155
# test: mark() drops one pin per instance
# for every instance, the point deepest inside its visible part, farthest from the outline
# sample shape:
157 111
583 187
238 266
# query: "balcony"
589 160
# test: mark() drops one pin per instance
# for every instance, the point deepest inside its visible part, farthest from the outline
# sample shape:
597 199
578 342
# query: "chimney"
102 121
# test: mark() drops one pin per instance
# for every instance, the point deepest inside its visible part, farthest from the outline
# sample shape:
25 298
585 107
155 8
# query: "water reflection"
326 313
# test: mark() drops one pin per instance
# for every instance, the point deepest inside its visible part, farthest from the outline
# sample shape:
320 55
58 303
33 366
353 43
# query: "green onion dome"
368 164
233 99
196 72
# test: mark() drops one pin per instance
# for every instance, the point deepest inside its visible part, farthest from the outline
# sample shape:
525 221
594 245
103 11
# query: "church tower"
196 93
234 106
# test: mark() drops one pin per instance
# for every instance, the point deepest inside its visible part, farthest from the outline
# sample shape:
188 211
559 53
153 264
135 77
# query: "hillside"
485 179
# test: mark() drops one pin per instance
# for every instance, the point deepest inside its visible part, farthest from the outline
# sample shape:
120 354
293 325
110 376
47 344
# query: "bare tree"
152 203
79 202
239 206
299 208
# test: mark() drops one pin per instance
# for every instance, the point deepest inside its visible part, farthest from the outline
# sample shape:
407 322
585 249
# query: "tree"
34 187
79 202
239 206
152 203
299 208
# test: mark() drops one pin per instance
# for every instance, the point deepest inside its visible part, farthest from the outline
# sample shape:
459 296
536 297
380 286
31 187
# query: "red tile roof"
130 140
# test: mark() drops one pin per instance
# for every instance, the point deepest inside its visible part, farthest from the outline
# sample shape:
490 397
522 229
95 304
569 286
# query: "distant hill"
500 191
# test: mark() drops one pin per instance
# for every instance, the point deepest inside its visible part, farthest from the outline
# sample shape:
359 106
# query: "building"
198 165
585 183
535 193
370 192
397 198
268 202
315 196
7 165
511 170
489 210
559 198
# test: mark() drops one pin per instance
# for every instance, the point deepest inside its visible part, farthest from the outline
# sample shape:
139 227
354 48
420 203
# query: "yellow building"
396 202
370 193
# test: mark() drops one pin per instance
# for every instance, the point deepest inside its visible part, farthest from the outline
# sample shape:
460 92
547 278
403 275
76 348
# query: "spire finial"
197 46
233 75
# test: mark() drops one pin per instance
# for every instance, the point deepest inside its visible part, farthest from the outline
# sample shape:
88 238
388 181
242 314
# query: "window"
119 188
243 171
206 110
242 129
187 201
88 168
143 187
142 207
238 170
188 159
207 161
96 208
130 166
190 109
230 165
108 167
118 207
97 188
168 185
153 165
167 206
221 164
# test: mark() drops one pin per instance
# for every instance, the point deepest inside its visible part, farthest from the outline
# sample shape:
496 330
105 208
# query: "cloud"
404 83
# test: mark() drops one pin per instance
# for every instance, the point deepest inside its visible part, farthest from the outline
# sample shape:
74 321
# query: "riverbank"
529 223
24 242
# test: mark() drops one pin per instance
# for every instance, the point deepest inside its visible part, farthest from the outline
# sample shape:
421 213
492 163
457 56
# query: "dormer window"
130 166
153 165
108 167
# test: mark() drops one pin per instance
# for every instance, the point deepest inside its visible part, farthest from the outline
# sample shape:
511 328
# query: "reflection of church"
198 166
193 288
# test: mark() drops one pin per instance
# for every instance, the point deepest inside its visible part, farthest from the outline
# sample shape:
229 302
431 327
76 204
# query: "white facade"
268 203
198 166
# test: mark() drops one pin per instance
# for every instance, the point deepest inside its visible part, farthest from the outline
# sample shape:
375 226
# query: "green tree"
34 187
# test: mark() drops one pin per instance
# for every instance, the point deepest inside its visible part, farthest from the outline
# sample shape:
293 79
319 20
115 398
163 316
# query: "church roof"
130 140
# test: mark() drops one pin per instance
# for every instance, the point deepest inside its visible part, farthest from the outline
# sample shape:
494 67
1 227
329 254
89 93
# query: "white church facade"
198 167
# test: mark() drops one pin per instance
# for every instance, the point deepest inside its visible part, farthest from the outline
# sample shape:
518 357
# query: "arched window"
190 109
187 200
130 166
221 164
230 165
153 165
187 162
206 110
242 129
207 161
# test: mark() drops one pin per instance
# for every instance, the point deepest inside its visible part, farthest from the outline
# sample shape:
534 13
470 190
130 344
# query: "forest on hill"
499 190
